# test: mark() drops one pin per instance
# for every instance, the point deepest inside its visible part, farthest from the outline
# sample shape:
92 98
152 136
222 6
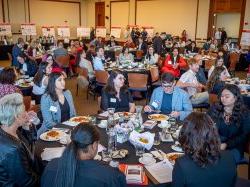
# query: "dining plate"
147 160
176 148
80 119
158 117
52 135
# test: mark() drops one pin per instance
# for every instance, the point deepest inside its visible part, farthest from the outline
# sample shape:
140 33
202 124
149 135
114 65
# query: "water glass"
93 120
33 118
138 109
106 156
157 139
139 149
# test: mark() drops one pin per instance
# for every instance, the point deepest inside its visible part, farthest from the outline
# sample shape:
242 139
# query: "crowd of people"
211 141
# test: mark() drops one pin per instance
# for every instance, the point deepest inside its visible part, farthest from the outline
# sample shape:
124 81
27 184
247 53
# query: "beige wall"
202 21
247 15
1 12
231 23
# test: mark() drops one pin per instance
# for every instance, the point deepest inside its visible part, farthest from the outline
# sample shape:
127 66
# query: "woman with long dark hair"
116 95
151 57
125 55
77 166
217 80
218 63
203 163
41 80
232 120
56 104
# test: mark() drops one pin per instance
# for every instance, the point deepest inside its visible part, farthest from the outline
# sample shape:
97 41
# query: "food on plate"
158 117
173 156
52 134
80 119
24 84
143 140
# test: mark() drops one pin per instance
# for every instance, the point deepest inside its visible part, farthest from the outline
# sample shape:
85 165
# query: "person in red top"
173 63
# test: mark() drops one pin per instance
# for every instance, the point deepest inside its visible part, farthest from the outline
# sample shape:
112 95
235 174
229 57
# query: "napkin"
104 114
51 153
135 136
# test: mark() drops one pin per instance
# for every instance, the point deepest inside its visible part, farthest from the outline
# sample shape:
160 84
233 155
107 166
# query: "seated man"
189 82
170 99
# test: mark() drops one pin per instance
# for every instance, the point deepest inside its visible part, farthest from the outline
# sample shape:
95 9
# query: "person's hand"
147 108
175 114
223 146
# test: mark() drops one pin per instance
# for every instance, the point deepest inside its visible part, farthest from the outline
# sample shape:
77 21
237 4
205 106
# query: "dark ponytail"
82 136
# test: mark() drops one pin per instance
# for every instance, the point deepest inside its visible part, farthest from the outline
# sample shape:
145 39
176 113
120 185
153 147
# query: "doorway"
100 14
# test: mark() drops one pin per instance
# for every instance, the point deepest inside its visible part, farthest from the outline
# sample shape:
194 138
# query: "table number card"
116 32
5 29
63 31
83 32
28 29
48 31
101 32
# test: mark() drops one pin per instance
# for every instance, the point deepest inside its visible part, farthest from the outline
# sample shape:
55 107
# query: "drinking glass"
139 149
157 139
106 156
111 111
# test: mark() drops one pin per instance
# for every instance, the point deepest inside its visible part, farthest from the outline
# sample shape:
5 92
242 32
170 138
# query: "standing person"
144 34
142 46
92 33
232 120
217 35
203 163
157 43
57 103
223 35
77 167
16 52
189 82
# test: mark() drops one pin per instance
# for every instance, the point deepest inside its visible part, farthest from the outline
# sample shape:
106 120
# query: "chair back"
82 71
160 62
137 80
181 50
154 72
213 98
139 54
101 77
234 59
27 102
209 64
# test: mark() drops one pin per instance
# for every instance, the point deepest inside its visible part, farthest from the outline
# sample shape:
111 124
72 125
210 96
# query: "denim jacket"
180 101
51 111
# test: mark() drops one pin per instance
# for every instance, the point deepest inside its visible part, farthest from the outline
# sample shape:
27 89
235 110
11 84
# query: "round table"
131 158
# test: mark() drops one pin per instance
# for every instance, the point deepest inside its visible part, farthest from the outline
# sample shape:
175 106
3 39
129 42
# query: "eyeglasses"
166 85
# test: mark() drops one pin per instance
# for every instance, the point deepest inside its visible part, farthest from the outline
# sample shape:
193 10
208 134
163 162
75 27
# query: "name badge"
113 100
53 109
169 62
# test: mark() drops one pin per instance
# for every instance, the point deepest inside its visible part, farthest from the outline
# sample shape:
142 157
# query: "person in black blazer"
203 163
112 42
232 120
77 166
142 46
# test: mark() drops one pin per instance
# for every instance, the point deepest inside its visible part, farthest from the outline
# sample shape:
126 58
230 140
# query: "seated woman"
232 120
77 166
170 99
41 80
7 81
81 60
216 81
56 104
151 57
203 163
116 95
17 162
125 55
192 48
173 63
218 63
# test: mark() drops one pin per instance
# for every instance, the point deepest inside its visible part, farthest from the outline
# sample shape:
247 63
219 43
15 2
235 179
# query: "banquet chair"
27 102
155 76
234 59
213 98
138 82
101 81
209 64
81 72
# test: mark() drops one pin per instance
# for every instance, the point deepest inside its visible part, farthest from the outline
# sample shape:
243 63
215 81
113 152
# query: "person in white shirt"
99 60
189 82
151 57
217 35
219 62
84 63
